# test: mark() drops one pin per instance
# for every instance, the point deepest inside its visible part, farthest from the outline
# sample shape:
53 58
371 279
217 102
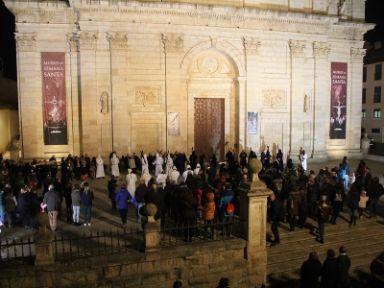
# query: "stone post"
43 242
151 229
254 223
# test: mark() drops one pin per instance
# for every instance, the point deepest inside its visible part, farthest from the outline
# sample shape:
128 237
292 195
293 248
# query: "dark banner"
338 100
54 98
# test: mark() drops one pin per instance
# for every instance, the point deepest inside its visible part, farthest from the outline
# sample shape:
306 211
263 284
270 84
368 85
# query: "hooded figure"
158 164
169 165
99 167
144 164
174 176
186 172
115 165
131 179
197 170
161 179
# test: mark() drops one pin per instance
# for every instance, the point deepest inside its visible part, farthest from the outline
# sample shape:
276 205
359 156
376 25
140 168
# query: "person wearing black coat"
275 217
329 271
188 206
112 183
310 271
343 266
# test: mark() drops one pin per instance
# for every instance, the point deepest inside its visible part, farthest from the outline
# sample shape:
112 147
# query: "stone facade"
129 63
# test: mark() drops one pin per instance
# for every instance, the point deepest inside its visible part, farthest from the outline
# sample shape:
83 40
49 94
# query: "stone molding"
88 40
297 47
173 42
251 45
321 49
357 54
26 41
118 40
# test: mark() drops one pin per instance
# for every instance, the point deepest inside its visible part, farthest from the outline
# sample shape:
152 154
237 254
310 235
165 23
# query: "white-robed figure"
169 165
146 177
303 159
197 169
174 176
186 172
159 161
131 179
99 167
161 179
144 164
115 165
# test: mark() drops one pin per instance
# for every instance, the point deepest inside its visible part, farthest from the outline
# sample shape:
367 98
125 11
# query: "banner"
338 100
253 122
54 98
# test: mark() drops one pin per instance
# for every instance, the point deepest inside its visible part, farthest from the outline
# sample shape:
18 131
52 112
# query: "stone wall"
198 265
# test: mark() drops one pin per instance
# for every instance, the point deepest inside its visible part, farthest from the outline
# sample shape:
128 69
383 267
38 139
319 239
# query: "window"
378 72
377 95
363 113
364 74
364 96
376 130
376 113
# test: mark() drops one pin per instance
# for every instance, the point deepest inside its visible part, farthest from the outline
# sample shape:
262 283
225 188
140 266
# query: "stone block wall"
198 265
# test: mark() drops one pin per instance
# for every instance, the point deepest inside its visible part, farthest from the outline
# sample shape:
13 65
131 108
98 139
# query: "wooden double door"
209 127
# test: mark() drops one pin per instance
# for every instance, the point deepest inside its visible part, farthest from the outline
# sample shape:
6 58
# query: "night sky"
374 14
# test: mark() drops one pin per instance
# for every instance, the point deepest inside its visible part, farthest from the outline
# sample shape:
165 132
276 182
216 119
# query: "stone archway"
212 75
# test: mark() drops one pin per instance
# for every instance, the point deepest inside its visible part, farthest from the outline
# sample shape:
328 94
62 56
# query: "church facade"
96 76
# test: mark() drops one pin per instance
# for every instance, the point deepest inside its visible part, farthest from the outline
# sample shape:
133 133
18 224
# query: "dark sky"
374 14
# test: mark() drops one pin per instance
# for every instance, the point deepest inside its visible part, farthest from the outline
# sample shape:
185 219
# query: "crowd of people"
185 189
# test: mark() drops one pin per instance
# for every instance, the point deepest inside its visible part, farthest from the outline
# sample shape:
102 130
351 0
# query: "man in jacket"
343 266
52 202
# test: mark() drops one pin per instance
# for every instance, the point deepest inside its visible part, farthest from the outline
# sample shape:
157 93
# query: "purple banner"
338 100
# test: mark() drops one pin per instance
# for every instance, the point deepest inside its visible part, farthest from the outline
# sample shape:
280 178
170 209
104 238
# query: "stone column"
320 100
254 212
151 229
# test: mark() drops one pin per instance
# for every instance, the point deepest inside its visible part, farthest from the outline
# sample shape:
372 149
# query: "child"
363 202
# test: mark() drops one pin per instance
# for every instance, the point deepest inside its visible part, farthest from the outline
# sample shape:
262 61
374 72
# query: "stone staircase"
363 243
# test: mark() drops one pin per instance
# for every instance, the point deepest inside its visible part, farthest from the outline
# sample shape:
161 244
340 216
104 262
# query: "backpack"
230 208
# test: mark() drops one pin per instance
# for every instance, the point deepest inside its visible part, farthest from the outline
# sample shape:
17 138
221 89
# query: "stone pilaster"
320 103
297 63
355 105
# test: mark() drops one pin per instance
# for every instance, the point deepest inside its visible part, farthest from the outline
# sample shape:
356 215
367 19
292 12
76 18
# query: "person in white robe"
174 177
146 177
115 165
159 161
197 170
186 172
303 159
131 180
99 167
131 162
144 164
161 179
169 165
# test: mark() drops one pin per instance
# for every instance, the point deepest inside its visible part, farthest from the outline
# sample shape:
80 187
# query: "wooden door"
209 127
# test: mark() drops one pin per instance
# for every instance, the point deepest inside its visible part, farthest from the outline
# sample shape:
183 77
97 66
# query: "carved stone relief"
73 42
297 47
274 98
251 45
321 49
104 103
88 40
26 41
173 42
146 96
208 64
118 40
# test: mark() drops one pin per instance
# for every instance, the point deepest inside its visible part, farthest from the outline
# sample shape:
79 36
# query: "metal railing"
200 232
17 251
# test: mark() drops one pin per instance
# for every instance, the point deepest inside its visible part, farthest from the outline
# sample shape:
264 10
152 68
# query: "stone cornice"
118 40
357 54
321 49
297 47
26 41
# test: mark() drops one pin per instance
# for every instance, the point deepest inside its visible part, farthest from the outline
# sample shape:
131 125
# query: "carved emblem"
146 96
208 64
273 98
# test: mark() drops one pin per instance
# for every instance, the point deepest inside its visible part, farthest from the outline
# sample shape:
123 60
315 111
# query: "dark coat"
310 272
343 265
329 273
